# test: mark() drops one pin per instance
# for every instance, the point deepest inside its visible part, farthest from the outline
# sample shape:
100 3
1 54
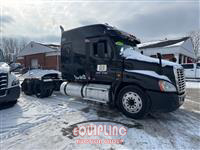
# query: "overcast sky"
39 20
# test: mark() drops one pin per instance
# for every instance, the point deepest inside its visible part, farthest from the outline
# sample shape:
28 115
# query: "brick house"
37 55
182 49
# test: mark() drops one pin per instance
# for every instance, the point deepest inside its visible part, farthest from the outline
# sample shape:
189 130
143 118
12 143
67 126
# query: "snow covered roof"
36 48
148 43
163 43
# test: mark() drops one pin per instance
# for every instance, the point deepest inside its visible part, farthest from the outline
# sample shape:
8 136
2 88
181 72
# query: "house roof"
36 48
54 46
163 43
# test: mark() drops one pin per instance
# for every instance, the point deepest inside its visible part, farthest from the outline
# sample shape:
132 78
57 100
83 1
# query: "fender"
142 81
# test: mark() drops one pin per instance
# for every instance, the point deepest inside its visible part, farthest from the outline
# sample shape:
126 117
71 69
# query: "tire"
43 91
49 92
27 87
133 102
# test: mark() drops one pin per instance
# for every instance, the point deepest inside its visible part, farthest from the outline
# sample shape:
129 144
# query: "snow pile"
149 73
4 67
130 53
38 73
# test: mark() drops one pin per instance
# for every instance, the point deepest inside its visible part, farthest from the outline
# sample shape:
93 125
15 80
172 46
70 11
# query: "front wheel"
133 102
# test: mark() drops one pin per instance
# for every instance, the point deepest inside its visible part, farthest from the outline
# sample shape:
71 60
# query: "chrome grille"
180 81
3 81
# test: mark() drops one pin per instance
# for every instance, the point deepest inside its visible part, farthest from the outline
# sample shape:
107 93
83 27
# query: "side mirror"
10 63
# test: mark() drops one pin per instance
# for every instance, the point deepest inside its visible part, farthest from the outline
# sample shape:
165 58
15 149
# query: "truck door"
189 70
198 70
100 60
66 61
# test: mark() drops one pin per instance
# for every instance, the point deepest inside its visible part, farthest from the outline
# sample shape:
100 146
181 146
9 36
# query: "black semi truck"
101 63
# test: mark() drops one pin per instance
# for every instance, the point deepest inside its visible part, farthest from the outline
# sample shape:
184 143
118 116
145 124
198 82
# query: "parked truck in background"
192 70
9 84
100 63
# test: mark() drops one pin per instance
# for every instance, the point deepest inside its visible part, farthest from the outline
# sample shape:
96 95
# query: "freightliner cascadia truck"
9 84
101 63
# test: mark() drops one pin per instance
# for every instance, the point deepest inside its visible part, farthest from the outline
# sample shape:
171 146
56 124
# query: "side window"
95 53
188 66
198 65
100 49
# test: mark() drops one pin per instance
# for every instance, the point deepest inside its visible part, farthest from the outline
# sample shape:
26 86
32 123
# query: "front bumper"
11 94
165 102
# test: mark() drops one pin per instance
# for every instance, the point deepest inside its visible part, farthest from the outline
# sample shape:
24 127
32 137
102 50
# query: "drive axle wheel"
133 102
42 90
27 87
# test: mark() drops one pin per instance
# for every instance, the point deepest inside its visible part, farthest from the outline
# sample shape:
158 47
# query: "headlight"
166 86
15 82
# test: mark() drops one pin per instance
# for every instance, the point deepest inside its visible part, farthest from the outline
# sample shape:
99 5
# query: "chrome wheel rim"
132 102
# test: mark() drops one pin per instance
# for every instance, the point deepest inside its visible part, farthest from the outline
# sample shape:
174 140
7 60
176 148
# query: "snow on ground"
48 123
192 85
45 124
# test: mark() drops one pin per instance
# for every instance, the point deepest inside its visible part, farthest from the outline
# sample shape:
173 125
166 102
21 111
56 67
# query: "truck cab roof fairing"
100 30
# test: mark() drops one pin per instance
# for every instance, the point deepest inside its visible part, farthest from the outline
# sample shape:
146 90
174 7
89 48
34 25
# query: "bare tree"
12 46
195 36
9 45
22 44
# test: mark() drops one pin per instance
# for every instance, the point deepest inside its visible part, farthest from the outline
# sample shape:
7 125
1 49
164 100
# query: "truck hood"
150 73
130 53
4 68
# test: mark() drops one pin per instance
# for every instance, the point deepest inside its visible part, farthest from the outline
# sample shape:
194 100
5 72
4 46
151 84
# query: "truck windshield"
122 46
1 56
